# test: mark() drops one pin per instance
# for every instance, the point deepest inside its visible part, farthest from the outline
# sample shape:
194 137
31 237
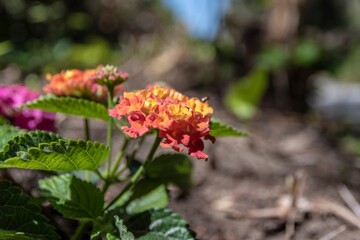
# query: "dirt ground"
250 173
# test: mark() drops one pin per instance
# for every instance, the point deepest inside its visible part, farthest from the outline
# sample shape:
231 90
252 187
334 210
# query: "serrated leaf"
160 223
47 151
20 217
23 142
124 234
171 168
70 105
7 132
221 129
72 197
113 230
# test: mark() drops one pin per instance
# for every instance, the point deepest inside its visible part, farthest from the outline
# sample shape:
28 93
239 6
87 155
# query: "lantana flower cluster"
109 75
12 97
84 84
181 121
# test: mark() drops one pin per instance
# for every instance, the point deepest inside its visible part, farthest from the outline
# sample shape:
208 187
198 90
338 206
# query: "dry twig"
349 199
333 233
292 208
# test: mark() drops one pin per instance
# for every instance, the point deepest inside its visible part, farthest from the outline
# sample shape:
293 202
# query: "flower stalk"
119 158
87 129
136 177
110 127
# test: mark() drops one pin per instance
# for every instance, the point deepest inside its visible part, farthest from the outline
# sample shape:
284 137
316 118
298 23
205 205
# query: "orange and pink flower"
180 120
78 83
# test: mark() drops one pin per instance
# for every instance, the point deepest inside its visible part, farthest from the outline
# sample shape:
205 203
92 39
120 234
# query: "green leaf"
153 236
306 52
272 58
117 231
147 194
124 234
69 105
23 142
20 218
47 151
221 129
72 197
110 236
4 121
144 195
13 235
160 224
7 132
245 94
171 168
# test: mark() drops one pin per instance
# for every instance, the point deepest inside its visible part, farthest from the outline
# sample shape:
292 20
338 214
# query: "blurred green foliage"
245 94
47 36
51 35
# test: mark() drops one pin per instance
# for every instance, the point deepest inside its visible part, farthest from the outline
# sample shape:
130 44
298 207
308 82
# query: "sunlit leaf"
245 94
221 129
69 105
47 151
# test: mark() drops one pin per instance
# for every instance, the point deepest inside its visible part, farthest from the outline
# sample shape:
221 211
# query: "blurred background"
282 54
287 69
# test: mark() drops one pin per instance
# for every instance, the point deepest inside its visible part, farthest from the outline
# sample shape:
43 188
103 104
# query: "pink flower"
182 122
12 97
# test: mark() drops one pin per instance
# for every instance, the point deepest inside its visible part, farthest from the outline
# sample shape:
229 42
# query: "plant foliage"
70 105
47 151
20 218
172 168
221 129
7 132
73 197
245 94
78 187
123 233
160 224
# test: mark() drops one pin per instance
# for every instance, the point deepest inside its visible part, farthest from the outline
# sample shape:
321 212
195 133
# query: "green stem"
153 150
136 177
110 126
87 138
87 129
135 150
106 186
78 235
99 175
119 157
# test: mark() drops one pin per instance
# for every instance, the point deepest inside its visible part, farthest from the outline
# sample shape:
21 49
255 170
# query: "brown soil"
249 173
